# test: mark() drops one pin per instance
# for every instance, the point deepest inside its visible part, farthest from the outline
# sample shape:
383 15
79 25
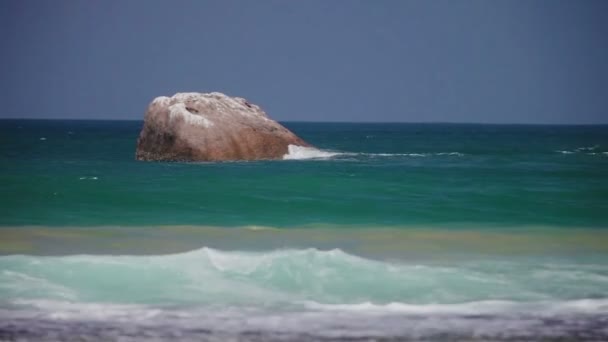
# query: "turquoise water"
404 231
84 174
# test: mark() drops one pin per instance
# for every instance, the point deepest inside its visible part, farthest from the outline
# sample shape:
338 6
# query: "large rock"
210 127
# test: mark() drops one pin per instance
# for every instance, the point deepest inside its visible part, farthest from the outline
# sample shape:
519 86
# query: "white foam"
43 138
70 310
393 154
486 307
295 152
301 152
583 150
95 311
450 154
589 148
74 310
54 321
458 154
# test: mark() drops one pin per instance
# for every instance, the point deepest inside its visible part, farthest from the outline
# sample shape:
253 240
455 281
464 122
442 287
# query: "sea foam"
478 321
294 294
588 150
487 307
302 152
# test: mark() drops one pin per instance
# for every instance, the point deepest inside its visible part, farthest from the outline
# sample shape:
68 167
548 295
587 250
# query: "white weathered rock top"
211 126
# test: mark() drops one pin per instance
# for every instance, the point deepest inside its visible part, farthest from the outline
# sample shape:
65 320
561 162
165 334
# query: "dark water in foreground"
388 232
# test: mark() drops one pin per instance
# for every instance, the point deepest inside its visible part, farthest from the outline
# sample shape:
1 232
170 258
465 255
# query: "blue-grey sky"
512 61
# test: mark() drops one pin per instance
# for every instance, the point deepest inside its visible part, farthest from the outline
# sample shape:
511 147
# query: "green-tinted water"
75 173
404 231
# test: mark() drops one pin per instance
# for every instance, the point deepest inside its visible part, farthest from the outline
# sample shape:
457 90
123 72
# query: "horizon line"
344 122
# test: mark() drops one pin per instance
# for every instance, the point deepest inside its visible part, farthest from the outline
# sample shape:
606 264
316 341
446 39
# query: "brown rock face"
210 127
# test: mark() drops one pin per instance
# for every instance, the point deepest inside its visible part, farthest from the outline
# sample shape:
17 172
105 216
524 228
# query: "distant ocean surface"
386 232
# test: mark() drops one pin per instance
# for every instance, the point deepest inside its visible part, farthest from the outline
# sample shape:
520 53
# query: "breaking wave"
331 277
302 152
209 294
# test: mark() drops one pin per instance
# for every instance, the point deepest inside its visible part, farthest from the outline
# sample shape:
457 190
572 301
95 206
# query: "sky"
500 61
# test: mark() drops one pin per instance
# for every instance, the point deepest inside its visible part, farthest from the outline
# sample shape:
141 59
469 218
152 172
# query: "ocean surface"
385 232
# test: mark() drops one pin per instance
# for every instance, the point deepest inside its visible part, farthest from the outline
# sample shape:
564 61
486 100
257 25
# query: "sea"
382 232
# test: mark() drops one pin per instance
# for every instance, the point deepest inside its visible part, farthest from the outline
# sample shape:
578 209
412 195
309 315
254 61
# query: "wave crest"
295 152
301 152
331 277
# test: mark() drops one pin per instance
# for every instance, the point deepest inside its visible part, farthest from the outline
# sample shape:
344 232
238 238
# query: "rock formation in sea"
211 127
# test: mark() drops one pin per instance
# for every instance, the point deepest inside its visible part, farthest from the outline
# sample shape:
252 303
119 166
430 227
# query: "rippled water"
385 232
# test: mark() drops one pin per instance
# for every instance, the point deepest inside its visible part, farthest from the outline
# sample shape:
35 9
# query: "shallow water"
389 232
376 283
